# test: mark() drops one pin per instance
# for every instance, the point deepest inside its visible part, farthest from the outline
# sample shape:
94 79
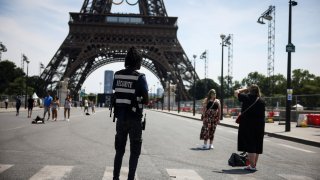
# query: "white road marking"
108 173
4 167
52 172
294 177
242 177
296 148
183 174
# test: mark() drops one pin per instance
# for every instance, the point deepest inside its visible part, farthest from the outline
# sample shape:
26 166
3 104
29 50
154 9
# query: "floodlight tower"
2 49
270 15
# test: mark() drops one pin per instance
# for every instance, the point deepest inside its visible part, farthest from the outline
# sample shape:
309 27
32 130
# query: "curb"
288 138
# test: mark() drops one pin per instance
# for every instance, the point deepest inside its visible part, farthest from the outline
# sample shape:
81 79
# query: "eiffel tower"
98 37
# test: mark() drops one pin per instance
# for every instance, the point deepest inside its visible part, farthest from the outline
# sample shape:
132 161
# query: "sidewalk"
22 109
304 135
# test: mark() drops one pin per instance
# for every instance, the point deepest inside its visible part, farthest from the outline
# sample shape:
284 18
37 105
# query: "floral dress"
210 118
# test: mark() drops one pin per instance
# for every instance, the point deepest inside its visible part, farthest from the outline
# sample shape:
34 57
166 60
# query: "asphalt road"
84 149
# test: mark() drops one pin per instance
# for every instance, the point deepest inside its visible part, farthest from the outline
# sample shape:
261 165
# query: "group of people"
53 104
86 104
31 103
251 126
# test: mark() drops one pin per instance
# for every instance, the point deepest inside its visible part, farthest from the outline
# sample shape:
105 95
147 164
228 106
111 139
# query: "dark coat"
251 126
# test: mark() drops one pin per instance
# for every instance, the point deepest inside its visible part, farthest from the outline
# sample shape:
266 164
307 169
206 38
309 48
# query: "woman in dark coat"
251 126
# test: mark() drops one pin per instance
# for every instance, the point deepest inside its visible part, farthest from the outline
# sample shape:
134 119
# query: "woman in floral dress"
211 117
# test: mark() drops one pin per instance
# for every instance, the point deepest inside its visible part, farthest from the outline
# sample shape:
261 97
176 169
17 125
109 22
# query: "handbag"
239 116
238 160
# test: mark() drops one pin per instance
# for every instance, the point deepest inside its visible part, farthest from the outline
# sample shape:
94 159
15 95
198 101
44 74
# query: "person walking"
210 117
130 93
30 106
47 104
92 107
6 102
55 105
18 104
86 106
252 123
67 107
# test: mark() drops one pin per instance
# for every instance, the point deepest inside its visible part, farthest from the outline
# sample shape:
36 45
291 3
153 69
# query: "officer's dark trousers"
131 126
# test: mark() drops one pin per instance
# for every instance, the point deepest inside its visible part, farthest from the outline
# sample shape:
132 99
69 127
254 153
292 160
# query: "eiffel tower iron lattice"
98 37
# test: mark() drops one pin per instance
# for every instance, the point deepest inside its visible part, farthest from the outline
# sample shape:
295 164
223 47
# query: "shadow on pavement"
199 149
236 171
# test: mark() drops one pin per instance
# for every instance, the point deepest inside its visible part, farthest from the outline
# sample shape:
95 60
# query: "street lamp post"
289 48
178 91
25 102
157 95
154 96
169 95
194 86
224 42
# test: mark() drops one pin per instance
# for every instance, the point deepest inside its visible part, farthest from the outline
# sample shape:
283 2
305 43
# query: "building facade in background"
108 80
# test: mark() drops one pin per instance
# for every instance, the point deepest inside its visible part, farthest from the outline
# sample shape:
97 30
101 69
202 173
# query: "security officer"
130 93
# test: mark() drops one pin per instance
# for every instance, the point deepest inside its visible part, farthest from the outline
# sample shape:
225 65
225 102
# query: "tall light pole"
289 48
224 42
157 95
194 86
25 102
269 15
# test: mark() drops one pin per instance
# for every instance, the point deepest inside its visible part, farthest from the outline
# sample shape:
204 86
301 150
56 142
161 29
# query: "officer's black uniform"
129 87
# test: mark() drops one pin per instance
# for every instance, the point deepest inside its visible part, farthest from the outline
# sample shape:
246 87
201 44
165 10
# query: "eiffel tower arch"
98 37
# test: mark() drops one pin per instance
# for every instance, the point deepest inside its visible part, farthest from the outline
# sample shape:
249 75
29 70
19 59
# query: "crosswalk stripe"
108 173
183 174
52 172
4 167
294 177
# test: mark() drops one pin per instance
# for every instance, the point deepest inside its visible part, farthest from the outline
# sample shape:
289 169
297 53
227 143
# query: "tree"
200 88
302 78
258 79
17 87
8 73
279 85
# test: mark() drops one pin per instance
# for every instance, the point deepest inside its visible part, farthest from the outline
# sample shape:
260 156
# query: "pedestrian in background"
86 106
92 107
67 107
251 125
210 117
55 105
130 93
18 104
30 106
46 105
6 102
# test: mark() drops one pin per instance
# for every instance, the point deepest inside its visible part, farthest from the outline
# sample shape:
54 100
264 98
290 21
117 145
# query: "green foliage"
8 73
202 88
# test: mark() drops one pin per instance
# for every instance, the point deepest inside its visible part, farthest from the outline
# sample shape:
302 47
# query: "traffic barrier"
270 116
314 119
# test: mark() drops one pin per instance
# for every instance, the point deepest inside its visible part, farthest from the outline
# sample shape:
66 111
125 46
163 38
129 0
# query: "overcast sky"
37 28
